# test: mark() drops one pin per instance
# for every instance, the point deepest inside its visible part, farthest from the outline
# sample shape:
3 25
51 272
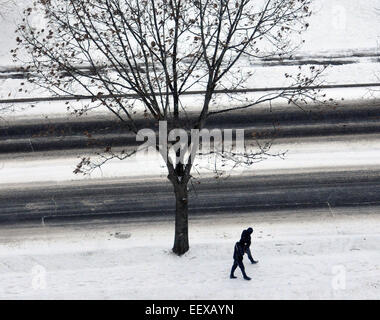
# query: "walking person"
246 240
238 260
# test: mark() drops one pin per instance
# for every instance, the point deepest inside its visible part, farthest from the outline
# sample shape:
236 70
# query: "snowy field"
336 25
323 254
343 31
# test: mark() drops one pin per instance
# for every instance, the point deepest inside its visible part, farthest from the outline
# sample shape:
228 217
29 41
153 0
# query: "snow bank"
302 255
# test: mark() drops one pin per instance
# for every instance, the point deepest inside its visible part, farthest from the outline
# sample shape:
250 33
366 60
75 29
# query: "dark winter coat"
239 251
246 238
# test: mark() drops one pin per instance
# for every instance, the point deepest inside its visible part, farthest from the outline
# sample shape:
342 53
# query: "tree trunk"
181 238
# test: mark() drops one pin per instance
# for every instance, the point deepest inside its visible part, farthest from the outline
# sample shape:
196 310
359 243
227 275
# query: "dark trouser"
241 266
248 252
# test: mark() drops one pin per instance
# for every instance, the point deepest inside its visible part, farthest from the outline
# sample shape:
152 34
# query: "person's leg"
242 268
234 266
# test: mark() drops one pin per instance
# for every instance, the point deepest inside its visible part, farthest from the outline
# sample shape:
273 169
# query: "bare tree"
156 52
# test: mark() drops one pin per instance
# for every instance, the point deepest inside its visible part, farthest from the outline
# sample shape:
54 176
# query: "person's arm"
239 251
246 238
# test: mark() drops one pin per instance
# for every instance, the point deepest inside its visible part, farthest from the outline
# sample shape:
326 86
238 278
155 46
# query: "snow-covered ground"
323 254
303 155
336 25
339 29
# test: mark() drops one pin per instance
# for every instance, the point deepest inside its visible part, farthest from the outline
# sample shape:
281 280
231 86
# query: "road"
125 198
143 200
71 135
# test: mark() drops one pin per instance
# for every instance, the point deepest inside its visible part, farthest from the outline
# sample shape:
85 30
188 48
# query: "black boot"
234 266
245 275
254 261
